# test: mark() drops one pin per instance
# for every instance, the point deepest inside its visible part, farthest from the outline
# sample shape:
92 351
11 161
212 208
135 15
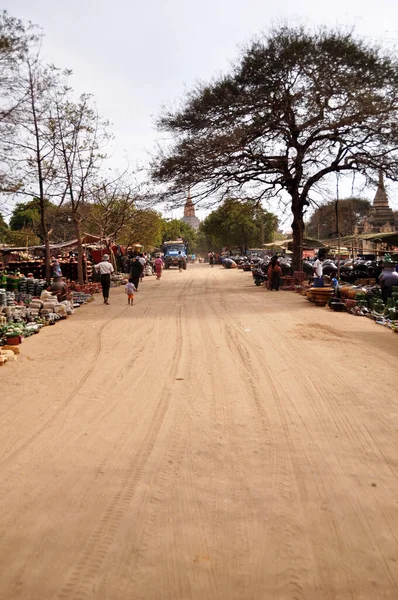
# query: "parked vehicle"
260 273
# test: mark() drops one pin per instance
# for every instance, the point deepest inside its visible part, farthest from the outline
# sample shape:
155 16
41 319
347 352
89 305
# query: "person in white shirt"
105 269
142 260
318 269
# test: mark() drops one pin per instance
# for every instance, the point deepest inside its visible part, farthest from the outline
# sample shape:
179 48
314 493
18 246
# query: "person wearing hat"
105 269
388 278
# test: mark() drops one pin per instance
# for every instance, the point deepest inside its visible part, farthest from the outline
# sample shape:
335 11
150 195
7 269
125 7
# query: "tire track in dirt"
70 396
282 479
29 463
222 474
282 351
163 480
83 577
239 561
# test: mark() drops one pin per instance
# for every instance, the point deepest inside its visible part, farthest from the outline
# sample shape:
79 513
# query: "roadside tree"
79 137
145 228
175 229
111 208
297 107
238 224
29 153
15 40
322 222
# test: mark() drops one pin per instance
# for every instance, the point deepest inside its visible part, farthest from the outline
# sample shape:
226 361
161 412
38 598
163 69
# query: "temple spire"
381 199
189 210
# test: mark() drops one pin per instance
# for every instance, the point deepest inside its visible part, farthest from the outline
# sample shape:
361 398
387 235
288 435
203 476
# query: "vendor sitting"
58 288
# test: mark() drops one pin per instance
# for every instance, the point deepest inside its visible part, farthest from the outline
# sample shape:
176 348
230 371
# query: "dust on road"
215 441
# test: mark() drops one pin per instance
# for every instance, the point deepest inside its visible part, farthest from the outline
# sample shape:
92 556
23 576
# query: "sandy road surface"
214 442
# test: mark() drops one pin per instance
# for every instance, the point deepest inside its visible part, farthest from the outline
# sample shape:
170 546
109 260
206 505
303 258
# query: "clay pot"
14 341
320 301
320 296
350 304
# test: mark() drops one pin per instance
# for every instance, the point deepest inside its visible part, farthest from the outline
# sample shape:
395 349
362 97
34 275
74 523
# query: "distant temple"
189 213
381 216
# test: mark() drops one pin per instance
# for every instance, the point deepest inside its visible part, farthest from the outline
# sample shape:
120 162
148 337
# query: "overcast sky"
136 57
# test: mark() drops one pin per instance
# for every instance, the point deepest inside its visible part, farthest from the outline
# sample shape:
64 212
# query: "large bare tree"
112 207
297 107
29 147
80 137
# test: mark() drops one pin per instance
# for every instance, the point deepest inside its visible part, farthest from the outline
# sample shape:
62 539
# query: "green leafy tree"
3 230
322 222
26 214
145 228
58 219
238 224
22 237
297 107
204 241
174 229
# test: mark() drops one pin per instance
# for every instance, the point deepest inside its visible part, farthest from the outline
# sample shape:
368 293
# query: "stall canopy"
308 243
87 239
390 238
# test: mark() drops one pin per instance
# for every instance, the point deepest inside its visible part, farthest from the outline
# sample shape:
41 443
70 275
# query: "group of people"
136 274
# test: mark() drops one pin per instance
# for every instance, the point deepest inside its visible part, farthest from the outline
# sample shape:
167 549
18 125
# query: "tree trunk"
46 240
39 160
80 272
298 235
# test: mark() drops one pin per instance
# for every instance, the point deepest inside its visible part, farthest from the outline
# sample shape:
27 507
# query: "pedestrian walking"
105 269
158 267
211 259
180 261
143 262
130 289
135 272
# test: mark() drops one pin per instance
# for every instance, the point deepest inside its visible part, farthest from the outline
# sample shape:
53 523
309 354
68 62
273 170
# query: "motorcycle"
260 273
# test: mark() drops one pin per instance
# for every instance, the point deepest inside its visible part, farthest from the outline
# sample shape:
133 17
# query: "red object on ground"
14 341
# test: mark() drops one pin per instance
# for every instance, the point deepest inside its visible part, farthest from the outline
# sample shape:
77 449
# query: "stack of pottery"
23 285
30 286
320 296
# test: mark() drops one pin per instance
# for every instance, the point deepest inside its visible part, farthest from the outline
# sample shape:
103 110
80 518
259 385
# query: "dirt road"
214 442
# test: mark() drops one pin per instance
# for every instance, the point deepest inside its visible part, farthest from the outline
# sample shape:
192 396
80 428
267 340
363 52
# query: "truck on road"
171 254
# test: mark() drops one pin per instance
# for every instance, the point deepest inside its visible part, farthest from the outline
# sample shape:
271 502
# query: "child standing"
130 289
